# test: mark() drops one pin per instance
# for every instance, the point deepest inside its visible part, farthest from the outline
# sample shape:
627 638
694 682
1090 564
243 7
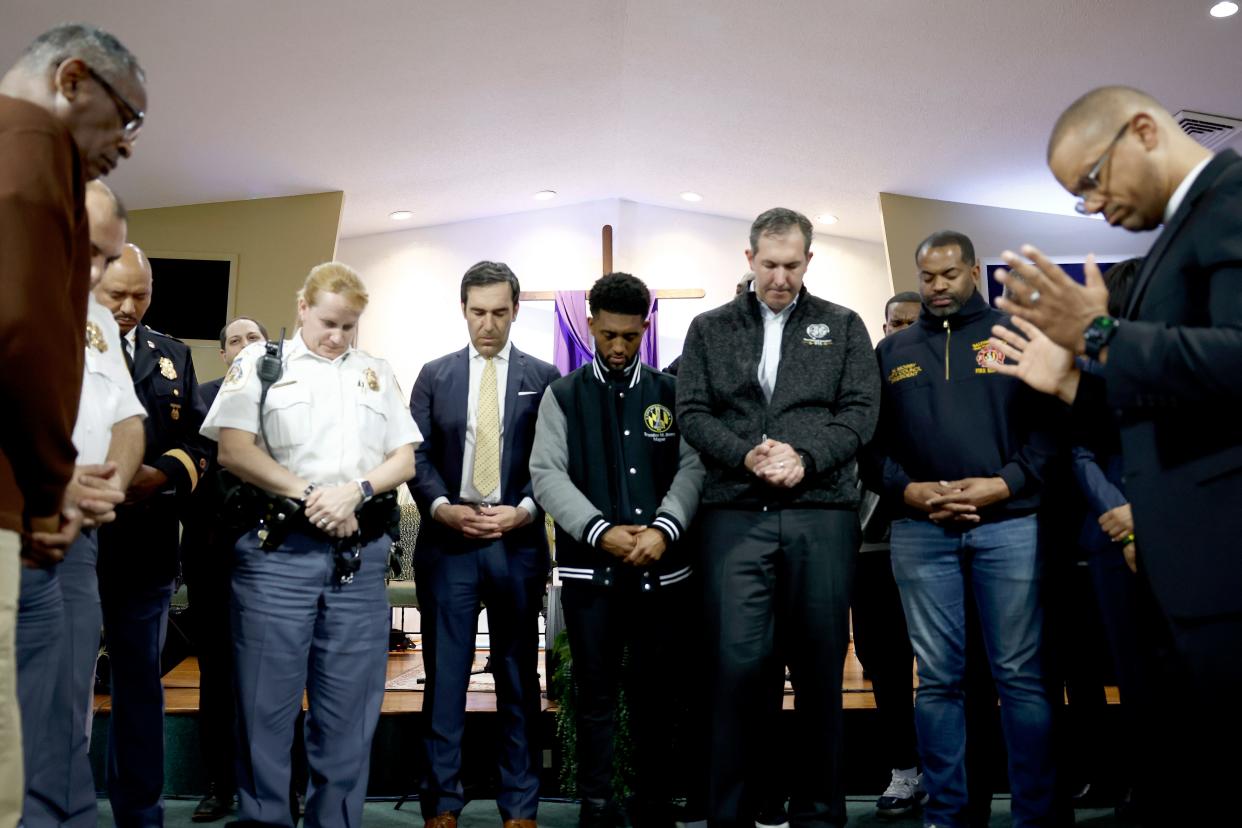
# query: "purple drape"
572 346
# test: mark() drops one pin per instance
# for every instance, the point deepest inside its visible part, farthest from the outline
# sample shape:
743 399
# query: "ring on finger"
1034 299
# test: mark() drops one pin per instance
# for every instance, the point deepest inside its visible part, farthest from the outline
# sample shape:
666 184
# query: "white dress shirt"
773 331
107 388
468 493
330 421
1179 195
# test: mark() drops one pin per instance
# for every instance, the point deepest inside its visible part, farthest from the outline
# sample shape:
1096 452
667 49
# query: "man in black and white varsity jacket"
610 467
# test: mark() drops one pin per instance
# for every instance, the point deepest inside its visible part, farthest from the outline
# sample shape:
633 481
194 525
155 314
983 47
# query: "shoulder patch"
95 337
236 376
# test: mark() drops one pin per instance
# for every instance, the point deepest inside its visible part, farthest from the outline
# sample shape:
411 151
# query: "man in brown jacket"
70 109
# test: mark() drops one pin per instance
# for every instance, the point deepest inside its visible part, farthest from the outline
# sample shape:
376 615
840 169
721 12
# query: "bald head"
125 288
1101 112
108 225
1122 154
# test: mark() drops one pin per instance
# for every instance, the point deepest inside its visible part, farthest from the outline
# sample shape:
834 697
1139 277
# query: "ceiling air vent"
1212 131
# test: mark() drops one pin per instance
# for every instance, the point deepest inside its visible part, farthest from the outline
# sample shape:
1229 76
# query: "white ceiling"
462 109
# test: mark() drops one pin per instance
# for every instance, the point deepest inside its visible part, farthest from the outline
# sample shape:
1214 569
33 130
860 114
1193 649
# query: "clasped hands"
634 545
91 498
775 463
956 501
332 509
482 522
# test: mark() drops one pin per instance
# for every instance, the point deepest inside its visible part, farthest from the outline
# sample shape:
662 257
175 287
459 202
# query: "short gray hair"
101 51
777 222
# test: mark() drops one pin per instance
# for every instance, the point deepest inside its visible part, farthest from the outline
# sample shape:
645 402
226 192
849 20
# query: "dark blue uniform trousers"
452 587
135 626
60 788
296 628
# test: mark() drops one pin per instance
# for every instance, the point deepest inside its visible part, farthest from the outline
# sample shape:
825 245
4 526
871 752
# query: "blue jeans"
998 564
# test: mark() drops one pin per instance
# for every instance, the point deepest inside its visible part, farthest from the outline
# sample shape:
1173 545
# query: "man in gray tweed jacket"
778 390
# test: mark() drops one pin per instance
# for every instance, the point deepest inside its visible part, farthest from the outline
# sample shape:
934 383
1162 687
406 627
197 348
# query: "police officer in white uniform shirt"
58 628
309 604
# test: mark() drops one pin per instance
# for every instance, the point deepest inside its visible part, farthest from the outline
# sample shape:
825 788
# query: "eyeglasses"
1090 182
130 115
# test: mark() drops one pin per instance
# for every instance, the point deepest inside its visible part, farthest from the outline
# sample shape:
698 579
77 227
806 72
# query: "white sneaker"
903 795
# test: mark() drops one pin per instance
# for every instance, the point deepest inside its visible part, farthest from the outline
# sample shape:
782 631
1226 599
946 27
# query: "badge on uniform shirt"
167 369
371 378
817 334
95 338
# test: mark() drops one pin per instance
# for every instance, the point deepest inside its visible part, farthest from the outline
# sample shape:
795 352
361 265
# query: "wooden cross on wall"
670 293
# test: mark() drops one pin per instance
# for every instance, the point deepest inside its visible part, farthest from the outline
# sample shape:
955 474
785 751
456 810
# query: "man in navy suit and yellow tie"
482 544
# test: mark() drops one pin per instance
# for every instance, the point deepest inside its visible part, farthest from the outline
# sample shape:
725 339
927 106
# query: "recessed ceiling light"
401 215
545 195
1224 9
826 218
691 196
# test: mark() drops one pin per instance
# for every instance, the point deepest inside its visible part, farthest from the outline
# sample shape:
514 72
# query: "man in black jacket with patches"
962 453
778 390
622 487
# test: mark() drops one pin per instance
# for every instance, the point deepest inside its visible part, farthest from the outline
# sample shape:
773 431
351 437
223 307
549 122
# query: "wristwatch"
364 486
1098 334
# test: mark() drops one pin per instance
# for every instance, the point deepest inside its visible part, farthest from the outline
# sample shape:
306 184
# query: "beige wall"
276 241
908 220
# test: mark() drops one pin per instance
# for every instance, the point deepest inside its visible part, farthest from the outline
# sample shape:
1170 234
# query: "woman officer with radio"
319 430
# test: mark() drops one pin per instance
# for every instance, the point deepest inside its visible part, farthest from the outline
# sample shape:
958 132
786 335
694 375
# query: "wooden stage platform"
182 682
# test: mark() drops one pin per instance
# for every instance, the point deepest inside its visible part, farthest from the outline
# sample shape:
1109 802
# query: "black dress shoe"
214 806
597 814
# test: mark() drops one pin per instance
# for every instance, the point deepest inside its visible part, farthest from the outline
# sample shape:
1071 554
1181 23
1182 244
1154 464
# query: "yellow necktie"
487 434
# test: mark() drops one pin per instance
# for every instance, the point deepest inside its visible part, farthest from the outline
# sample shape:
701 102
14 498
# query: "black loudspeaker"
189 297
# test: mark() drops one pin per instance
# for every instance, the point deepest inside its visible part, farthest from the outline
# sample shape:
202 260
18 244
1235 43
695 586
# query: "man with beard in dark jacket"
961 453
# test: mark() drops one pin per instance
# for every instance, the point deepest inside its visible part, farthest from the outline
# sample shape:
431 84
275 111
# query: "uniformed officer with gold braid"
329 440
610 467
138 553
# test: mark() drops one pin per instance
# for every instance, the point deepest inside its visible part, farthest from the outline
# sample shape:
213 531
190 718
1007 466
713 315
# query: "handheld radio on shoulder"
269 370
270 366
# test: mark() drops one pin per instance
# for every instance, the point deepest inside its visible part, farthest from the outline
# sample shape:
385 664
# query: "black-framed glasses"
130 115
1090 182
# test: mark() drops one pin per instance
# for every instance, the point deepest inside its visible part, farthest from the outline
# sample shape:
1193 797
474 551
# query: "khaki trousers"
12 784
